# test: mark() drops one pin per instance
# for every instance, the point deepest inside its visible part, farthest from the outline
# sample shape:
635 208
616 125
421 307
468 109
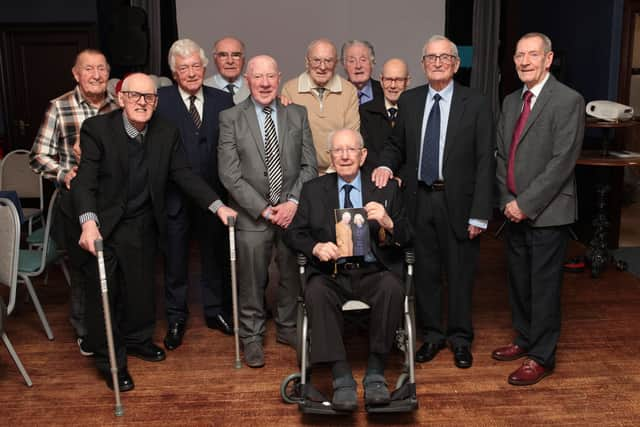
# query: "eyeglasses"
444 58
133 96
316 62
226 55
183 69
341 151
533 55
388 81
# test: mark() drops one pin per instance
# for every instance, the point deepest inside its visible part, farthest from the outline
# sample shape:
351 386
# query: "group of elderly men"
180 161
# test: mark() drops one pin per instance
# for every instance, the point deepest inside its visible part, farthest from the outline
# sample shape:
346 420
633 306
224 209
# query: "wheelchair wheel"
290 388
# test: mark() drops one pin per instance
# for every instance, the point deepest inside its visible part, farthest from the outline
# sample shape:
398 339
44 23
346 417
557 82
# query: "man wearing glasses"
228 55
193 109
128 157
448 155
378 117
331 101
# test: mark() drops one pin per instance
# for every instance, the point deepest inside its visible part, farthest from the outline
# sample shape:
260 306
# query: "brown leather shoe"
529 373
509 352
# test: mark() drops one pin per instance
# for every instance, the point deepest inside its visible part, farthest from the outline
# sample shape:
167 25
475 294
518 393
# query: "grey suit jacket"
545 156
241 159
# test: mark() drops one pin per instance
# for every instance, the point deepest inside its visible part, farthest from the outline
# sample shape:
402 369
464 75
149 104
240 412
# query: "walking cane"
107 321
234 287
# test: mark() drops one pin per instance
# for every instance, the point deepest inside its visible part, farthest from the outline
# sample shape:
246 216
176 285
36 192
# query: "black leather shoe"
173 339
149 352
462 357
428 351
125 382
219 321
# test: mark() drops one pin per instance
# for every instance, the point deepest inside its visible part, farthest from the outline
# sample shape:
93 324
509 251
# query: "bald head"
138 99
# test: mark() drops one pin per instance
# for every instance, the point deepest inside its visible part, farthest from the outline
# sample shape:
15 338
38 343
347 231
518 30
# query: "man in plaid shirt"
53 155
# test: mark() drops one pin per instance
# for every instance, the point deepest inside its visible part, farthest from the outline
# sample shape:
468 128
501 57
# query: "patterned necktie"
193 112
347 199
392 114
431 145
517 132
231 88
272 156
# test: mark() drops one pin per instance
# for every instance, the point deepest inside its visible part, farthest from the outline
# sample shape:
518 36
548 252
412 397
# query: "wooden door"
36 63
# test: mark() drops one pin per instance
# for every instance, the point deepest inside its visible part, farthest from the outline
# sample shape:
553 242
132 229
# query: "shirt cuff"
480 223
213 207
293 199
387 168
89 216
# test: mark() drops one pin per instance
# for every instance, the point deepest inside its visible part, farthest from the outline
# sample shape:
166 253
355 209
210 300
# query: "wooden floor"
596 382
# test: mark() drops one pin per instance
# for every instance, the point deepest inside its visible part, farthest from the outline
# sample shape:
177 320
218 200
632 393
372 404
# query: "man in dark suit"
358 58
378 117
266 153
445 138
374 279
539 140
193 109
128 158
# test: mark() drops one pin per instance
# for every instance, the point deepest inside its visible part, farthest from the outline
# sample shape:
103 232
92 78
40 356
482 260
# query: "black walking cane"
231 221
107 321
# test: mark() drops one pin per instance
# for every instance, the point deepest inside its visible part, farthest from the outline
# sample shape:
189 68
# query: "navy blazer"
201 145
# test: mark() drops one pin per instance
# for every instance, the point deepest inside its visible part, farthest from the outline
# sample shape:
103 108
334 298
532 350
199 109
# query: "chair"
11 260
16 175
7 344
297 388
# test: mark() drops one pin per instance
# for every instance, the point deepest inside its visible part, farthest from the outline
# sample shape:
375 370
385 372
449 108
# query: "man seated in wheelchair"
374 278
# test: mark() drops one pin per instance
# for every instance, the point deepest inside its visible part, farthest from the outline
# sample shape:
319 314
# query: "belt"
436 186
347 267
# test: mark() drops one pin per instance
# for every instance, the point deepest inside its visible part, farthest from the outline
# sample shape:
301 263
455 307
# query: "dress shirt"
199 101
261 117
221 83
366 94
535 91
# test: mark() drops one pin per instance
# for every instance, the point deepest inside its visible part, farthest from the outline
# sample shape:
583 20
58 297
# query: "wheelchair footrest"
403 399
319 408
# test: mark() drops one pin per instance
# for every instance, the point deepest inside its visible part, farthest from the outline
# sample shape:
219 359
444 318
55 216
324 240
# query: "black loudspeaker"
128 37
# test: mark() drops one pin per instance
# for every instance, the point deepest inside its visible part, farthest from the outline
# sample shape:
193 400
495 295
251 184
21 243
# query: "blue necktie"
347 199
431 145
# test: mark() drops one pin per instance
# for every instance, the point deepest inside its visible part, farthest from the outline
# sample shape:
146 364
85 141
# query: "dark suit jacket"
546 155
315 222
468 166
102 179
200 144
243 168
375 127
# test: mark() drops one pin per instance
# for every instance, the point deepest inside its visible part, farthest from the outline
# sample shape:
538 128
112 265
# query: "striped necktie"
193 112
272 157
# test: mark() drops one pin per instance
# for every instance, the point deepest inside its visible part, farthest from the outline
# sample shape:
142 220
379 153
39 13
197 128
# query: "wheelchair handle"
410 257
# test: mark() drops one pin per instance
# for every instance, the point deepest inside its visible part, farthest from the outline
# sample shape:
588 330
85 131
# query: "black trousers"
535 256
438 250
129 255
215 275
324 296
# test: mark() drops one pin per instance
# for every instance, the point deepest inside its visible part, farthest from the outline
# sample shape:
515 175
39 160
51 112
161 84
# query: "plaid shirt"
52 151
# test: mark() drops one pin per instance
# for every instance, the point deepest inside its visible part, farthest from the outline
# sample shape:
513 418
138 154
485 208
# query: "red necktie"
522 120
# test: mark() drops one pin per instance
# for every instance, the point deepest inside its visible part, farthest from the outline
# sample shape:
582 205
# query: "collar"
260 107
222 82
186 96
537 88
130 129
357 183
388 105
446 93
305 84
367 90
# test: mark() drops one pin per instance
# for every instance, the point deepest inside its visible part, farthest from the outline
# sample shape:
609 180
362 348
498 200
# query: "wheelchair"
297 388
